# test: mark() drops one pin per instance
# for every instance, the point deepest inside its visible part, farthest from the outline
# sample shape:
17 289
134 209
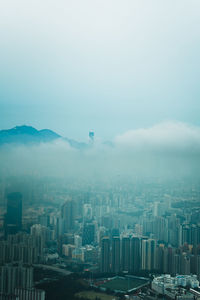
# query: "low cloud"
168 136
166 150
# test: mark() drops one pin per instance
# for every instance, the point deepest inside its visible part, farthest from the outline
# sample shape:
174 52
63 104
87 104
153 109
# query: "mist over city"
99 150
166 150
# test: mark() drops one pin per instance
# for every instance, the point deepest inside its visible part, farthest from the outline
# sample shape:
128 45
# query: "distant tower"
91 136
13 219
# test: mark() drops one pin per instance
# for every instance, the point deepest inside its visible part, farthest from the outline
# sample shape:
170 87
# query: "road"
53 268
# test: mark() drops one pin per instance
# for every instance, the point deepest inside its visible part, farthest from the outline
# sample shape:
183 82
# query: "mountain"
29 135
26 134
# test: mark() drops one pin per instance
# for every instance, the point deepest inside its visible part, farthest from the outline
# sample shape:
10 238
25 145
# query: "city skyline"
99 149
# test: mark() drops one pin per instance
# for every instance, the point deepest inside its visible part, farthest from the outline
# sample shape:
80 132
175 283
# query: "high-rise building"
160 228
148 254
22 252
8 297
176 266
159 258
174 231
151 254
105 255
186 234
13 218
198 267
135 254
165 266
125 261
42 231
68 215
185 264
144 254
89 230
171 252
115 255
87 211
15 276
29 294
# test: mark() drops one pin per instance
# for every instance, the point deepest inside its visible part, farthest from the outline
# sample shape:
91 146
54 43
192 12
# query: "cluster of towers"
129 254
139 254
18 252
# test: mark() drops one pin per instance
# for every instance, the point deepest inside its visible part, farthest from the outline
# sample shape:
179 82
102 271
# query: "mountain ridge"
27 135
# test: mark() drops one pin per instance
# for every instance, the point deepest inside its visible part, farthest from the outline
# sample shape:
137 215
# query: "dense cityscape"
140 228
99 150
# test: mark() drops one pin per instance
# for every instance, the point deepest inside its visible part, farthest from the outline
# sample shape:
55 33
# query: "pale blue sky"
106 65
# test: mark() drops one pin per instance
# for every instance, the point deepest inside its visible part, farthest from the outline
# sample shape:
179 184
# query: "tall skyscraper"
144 250
151 254
115 255
68 215
135 254
171 252
13 218
125 254
148 251
176 264
105 255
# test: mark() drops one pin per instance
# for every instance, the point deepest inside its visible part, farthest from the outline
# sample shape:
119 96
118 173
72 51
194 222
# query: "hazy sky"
106 65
